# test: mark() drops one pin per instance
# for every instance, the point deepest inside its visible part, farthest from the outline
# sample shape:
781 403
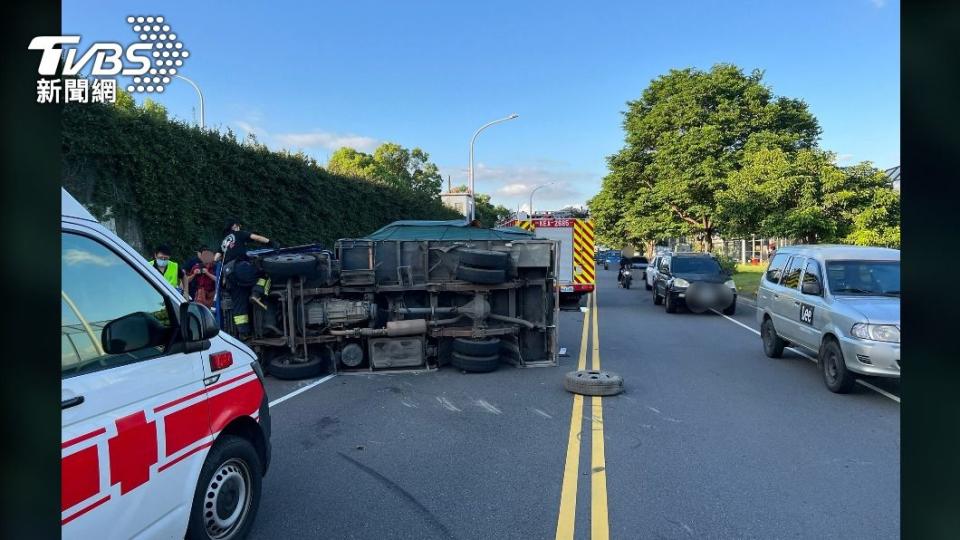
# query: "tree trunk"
708 241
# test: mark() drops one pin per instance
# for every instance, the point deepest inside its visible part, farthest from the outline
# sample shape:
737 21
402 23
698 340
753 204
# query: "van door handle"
796 303
70 402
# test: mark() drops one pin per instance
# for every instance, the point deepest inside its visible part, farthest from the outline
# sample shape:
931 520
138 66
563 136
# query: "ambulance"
165 424
576 268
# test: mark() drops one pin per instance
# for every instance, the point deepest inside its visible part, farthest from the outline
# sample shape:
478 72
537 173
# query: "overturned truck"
412 295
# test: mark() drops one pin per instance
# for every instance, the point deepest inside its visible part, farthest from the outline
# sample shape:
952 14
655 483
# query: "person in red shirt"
202 276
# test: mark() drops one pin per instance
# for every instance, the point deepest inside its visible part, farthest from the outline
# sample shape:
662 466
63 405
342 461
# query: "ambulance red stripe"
82 438
171 463
84 511
80 474
201 392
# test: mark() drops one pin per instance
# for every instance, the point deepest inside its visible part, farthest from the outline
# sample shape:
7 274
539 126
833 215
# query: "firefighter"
240 275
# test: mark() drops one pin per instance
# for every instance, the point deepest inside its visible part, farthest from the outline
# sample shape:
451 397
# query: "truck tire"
228 493
283 368
290 265
477 347
773 344
484 276
731 309
484 258
593 383
835 373
475 364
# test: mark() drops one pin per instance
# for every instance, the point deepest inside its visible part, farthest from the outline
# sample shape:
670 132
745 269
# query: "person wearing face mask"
170 270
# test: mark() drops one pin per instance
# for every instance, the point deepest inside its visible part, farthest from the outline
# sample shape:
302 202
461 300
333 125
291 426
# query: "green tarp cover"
455 229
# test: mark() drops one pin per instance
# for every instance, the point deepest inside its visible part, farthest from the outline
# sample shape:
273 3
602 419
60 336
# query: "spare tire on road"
290 265
477 347
481 275
593 383
286 367
484 258
475 364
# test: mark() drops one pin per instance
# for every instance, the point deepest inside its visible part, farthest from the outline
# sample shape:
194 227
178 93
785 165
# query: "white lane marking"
654 409
878 390
447 404
408 403
862 382
299 391
488 407
541 413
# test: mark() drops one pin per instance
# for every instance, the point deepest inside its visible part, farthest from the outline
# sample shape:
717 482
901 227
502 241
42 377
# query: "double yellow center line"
599 522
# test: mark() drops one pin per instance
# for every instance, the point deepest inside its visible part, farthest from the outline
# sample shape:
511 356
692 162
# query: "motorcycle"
625 277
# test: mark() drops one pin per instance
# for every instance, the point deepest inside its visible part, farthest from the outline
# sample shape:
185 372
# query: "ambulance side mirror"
133 332
197 323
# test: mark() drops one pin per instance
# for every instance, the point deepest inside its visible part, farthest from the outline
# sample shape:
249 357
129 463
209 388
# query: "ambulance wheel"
481 275
290 265
484 258
228 492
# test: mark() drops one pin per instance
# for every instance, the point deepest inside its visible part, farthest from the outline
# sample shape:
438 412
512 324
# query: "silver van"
841 301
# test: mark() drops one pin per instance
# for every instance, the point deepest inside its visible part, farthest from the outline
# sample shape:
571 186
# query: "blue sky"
317 75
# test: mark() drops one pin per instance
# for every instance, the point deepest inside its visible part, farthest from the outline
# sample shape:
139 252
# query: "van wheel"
657 299
647 285
835 373
772 343
669 303
228 493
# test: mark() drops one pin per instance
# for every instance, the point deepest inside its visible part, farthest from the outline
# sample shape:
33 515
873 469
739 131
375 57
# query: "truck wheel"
481 275
484 258
593 383
731 309
285 367
669 303
476 364
290 265
835 373
228 493
477 347
772 343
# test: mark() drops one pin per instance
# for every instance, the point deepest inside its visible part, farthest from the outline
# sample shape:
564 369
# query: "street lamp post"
530 208
473 140
199 93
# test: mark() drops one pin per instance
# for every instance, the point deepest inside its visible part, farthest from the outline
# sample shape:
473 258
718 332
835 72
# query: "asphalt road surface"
711 439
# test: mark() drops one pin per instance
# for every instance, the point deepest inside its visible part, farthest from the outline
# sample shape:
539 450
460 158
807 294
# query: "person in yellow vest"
170 270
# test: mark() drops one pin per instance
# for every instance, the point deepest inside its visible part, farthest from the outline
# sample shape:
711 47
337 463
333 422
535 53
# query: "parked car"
651 274
841 301
696 280
165 422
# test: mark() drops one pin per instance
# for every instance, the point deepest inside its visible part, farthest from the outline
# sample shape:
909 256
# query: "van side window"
812 273
110 314
791 278
775 269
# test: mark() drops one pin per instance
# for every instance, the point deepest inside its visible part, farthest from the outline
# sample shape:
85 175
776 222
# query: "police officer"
239 273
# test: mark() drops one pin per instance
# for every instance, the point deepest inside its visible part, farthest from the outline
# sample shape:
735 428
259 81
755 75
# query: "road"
711 439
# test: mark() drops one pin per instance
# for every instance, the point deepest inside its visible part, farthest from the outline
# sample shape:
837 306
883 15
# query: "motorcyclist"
624 264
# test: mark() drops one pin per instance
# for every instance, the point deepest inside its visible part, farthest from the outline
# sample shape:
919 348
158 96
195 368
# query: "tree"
390 164
685 139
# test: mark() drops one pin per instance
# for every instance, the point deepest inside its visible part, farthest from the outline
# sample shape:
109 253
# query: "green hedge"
178 183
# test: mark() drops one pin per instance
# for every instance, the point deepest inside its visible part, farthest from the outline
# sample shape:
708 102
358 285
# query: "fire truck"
576 270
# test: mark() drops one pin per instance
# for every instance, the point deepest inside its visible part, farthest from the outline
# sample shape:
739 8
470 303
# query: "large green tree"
685 139
390 164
